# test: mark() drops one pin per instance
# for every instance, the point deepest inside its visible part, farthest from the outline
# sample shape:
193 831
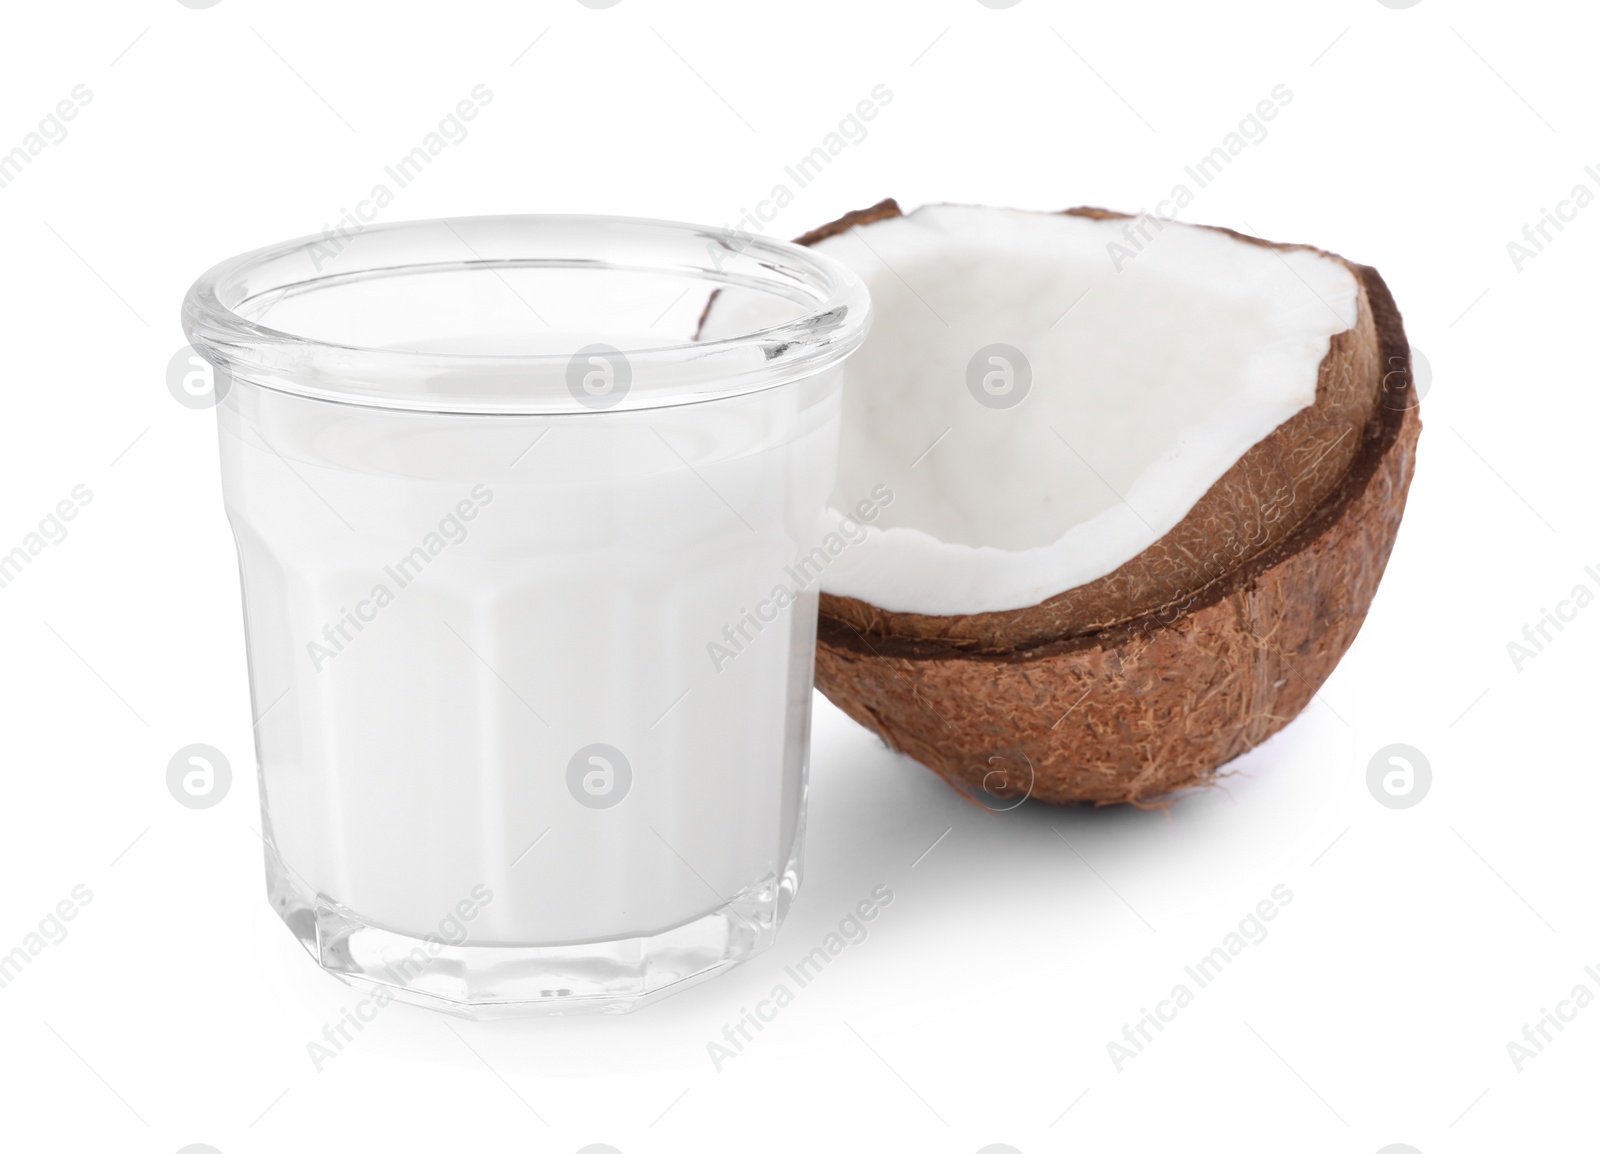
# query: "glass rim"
835 302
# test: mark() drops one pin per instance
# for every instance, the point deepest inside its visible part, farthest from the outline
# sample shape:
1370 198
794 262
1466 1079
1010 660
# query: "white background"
1418 942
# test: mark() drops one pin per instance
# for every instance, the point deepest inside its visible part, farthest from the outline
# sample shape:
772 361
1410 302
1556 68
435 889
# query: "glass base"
476 981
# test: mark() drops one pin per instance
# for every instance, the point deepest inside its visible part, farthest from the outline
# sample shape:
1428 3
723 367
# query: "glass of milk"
530 657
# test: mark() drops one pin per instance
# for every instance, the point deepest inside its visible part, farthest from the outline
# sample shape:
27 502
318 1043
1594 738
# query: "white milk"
443 610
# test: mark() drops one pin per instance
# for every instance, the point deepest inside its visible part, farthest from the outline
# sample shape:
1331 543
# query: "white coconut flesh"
1148 382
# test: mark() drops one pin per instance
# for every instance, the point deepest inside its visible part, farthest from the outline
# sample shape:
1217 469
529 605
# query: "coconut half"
1144 479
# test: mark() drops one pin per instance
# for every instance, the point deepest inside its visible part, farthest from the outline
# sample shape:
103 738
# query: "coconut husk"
1150 679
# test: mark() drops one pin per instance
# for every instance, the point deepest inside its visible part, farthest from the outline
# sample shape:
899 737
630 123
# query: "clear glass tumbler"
530 657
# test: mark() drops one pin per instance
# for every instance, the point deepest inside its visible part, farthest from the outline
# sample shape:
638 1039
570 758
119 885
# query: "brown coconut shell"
1148 680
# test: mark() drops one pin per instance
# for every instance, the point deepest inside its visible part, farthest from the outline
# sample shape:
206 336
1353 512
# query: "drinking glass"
530 660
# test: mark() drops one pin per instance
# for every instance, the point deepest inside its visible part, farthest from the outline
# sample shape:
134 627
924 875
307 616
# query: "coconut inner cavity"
1047 395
